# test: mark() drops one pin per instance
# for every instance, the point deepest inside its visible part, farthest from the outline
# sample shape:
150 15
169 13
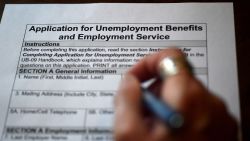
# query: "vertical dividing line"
84 123
207 59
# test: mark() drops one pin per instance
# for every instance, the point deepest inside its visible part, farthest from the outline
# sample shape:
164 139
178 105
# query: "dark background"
242 26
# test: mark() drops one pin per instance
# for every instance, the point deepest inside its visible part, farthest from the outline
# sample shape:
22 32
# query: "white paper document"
60 65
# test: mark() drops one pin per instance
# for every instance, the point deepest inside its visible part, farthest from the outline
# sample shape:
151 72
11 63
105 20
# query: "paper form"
61 64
